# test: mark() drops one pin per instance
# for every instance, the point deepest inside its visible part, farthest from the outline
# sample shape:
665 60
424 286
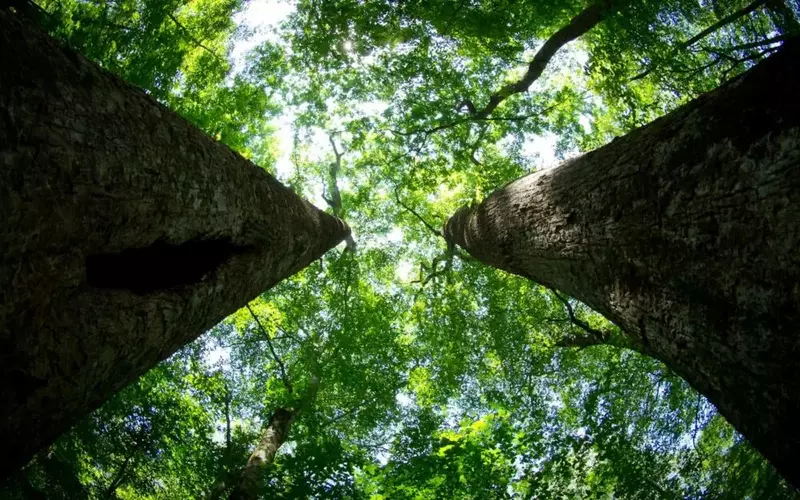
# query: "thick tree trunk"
686 233
124 233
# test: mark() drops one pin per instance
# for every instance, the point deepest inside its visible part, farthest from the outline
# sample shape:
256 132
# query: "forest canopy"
404 368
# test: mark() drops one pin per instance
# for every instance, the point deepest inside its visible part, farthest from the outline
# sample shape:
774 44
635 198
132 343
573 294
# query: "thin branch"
761 43
733 16
121 472
355 409
430 277
579 25
123 469
595 336
711 29
752 57
193 39
472 117
474 148
277 359
415 214
228 399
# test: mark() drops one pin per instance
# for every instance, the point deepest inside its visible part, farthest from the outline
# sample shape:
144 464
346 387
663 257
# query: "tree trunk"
247 485
124 233
686 234
271 440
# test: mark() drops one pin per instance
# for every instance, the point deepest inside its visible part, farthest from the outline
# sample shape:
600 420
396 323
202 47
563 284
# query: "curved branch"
193 39
415 214
580 24
594 337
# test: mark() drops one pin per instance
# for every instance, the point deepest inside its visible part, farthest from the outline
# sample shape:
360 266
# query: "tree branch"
761 43
733 16
228 400
286 382
580 24
415 214
714 27
335 201
193 39
594 337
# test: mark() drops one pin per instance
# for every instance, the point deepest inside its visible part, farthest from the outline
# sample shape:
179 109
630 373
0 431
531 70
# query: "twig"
193 39
595 336
277 359
739 61
714 27
418 216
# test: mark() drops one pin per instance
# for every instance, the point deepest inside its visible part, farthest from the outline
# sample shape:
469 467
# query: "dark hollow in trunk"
125 233
686 234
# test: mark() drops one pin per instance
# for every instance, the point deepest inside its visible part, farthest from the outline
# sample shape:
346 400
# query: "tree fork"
125 232
686 234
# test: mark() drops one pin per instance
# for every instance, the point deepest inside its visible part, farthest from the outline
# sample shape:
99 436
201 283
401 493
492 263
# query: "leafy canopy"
439 378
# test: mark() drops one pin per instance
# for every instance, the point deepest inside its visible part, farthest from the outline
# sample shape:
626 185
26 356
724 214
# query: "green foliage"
439 378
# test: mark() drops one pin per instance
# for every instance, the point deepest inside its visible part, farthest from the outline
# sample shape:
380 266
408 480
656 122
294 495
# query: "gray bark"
124 233
686 234
271 440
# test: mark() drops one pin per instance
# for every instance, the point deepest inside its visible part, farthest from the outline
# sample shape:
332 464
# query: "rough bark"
124 233
271 440
686 234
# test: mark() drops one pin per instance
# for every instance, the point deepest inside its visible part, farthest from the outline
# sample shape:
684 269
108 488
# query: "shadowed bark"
686 234
125 233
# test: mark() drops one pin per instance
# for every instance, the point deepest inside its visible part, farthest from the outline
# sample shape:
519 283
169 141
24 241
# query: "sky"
262 17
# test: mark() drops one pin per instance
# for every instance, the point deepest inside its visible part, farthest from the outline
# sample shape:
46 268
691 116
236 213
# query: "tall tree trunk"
124 233
685 233
271 440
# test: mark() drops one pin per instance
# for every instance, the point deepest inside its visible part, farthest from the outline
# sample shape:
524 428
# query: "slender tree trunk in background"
686 234
273 437
271 440
124 233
